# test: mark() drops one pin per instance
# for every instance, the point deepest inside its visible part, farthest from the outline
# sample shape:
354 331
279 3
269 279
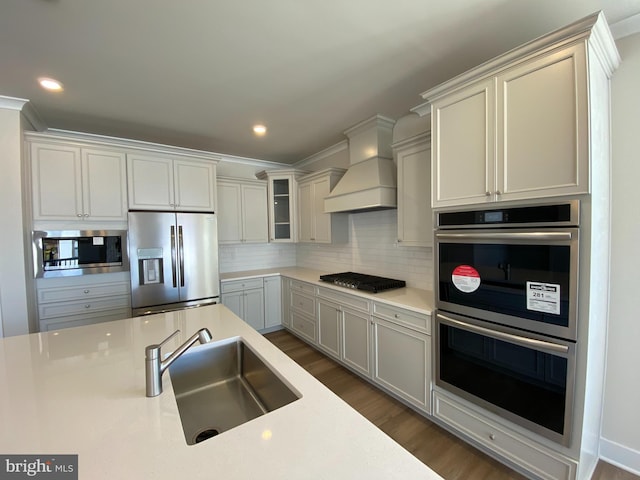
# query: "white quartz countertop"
81 391
415 299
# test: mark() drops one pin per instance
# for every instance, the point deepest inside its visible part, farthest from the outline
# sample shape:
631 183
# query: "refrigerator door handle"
181 254
173 256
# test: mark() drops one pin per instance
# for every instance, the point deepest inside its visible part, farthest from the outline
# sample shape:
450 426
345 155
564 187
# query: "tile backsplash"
256 256
372 249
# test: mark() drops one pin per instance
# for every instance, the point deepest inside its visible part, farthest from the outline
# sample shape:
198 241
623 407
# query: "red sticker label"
465 278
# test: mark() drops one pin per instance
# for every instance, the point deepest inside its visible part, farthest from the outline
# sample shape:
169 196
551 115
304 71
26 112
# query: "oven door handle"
507 236
541 345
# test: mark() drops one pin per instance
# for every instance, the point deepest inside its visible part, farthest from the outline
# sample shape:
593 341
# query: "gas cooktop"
360 281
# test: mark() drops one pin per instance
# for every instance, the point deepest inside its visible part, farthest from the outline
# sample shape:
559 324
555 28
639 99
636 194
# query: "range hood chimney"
370 182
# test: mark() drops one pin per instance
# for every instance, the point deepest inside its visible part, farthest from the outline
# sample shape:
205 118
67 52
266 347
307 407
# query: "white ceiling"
200 73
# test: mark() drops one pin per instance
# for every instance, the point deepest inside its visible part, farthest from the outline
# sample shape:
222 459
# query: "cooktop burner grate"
360 281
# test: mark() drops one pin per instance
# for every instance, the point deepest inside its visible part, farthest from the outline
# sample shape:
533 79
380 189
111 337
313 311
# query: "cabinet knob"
399 240
79 215
488 194
87 305
396 315
86 291
492 436
498 192
86 214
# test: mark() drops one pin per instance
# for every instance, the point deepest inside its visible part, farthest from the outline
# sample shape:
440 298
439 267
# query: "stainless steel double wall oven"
506 320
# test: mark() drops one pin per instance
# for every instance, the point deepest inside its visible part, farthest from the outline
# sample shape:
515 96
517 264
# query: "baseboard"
623 457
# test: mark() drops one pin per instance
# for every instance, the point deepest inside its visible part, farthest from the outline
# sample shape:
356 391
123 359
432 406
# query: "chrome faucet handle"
155 366
153 351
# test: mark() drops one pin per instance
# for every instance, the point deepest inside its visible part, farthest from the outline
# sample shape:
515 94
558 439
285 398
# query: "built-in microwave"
78 252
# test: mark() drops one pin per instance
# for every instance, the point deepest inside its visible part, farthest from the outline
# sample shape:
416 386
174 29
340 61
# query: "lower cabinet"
343 333
257 301
496 438
302 310
245 298
83 300
272 301
401 362
387 345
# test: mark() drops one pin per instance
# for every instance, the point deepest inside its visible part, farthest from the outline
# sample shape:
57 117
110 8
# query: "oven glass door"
523 278
526 378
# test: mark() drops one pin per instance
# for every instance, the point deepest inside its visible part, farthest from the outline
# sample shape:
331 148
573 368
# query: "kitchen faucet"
155 366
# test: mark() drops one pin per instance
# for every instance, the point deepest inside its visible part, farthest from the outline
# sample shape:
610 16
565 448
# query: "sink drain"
206 434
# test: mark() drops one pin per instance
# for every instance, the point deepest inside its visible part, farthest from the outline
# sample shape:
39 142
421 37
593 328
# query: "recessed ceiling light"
50 84
260 130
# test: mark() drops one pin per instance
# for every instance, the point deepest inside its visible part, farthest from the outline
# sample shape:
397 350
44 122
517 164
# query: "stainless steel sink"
221 385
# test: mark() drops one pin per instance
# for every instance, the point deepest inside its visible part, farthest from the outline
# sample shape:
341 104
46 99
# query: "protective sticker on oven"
543 297
465 278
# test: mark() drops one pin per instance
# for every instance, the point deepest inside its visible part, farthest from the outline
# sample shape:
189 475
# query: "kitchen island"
82 391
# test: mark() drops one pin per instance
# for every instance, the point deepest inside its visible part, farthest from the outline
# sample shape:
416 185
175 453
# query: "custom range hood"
370 182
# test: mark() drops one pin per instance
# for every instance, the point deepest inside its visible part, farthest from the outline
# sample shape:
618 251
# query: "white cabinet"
343 331
272 301
282 193
522 132
402 359
245 298
302 310
415 223
496 438
314 225
78 183
387 345
163 182
286 302
402 353
242 211
85 300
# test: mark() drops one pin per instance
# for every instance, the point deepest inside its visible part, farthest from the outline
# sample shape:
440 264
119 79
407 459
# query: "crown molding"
26 108
327 152
422 109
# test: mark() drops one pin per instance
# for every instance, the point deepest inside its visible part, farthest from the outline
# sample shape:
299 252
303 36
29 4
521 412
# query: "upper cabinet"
412 150
282 195
521 126
314 225
242 211
162 182
71 182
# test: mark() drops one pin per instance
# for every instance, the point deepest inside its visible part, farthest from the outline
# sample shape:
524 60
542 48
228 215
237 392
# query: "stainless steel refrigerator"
174 260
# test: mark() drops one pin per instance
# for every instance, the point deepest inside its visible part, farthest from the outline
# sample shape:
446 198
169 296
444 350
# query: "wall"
235 258
372 249
12 261
620 442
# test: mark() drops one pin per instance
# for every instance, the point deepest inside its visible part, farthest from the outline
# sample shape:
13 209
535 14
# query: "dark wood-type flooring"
444 453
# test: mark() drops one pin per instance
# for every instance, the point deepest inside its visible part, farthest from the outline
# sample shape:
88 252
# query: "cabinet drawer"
303 287
81 320
535 458
404 317
63 294
304 326
238 285
87 307
352 301
303 303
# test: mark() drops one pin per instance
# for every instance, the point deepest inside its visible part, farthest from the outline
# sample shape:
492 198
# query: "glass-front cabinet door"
282 214
282 204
